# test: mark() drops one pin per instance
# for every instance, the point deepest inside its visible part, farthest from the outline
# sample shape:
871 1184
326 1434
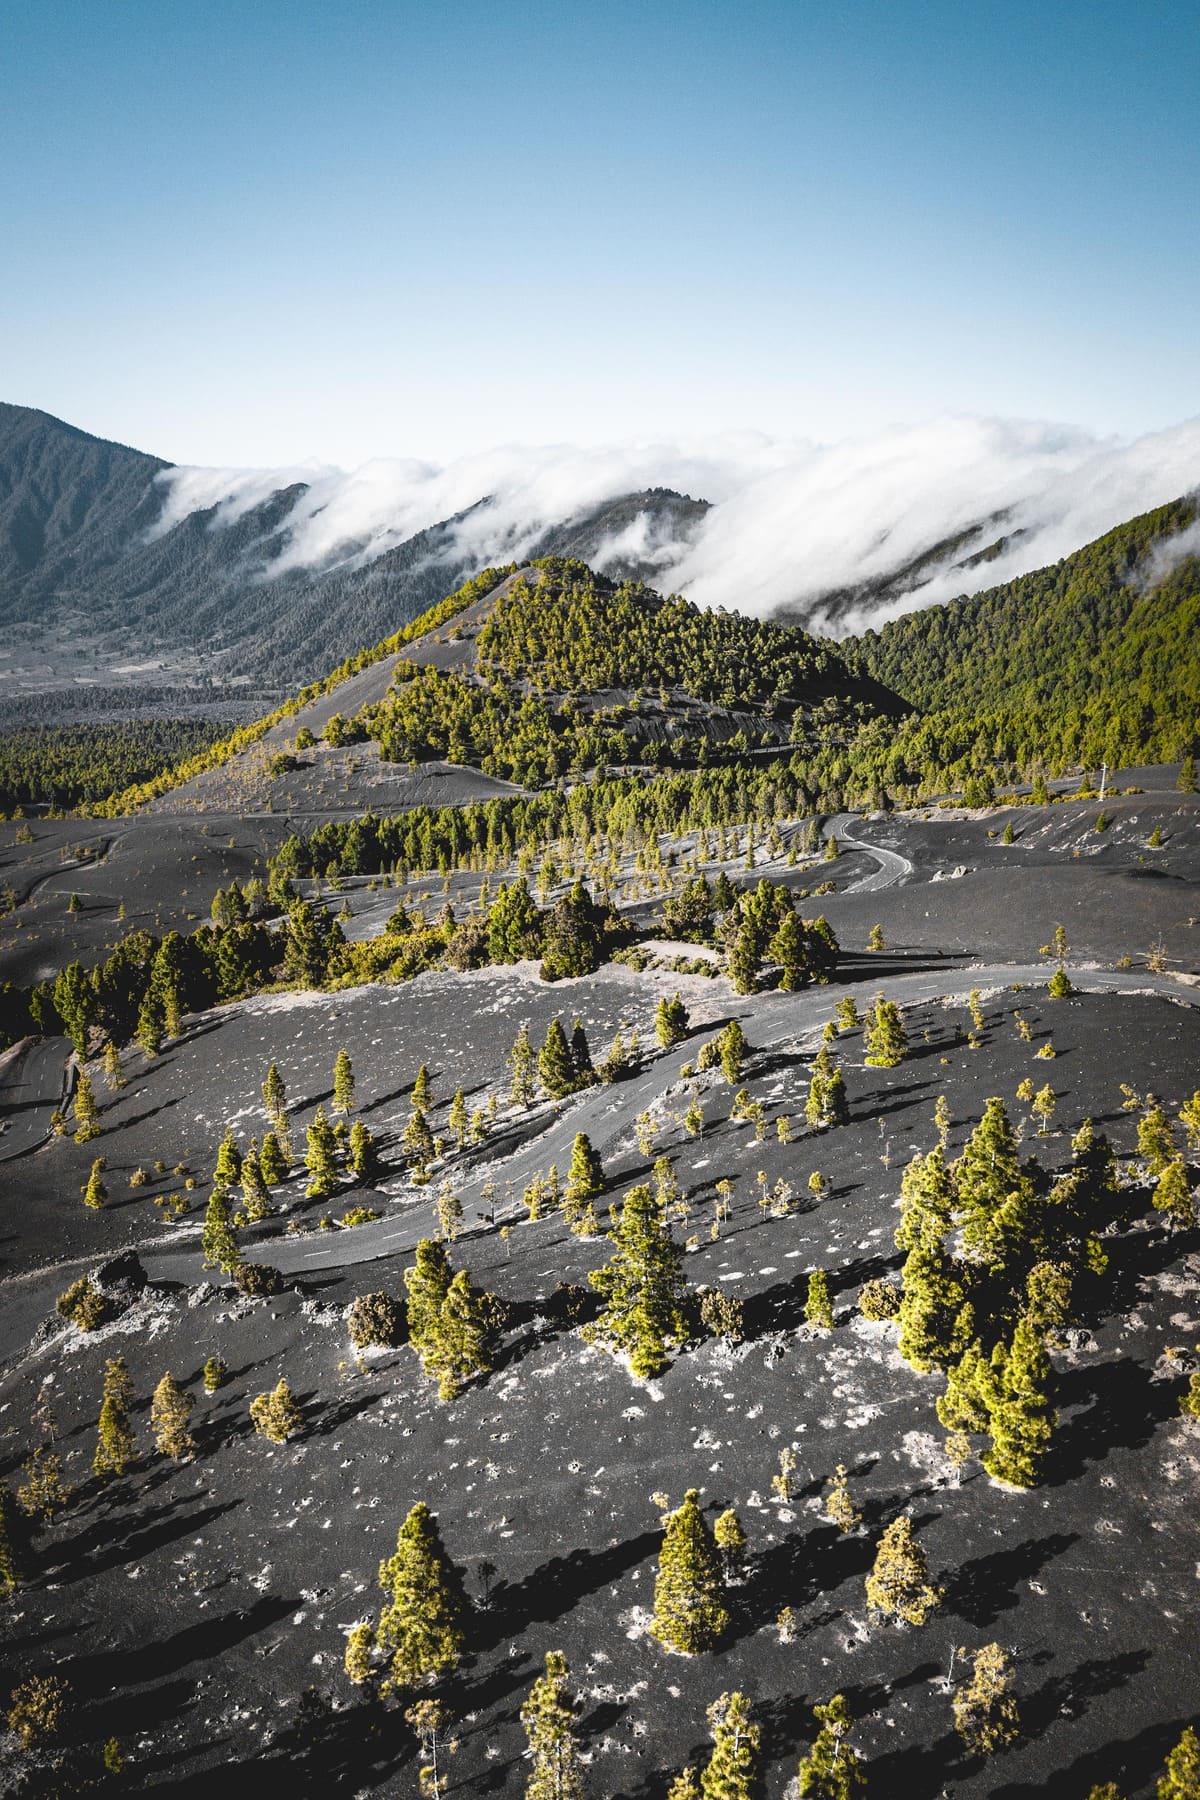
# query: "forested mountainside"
566 670
1094 657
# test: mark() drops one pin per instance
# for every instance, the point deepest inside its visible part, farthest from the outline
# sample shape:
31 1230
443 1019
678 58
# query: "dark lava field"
199 1609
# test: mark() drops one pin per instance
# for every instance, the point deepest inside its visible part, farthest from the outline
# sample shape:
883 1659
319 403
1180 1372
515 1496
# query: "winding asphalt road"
33 1081
892 870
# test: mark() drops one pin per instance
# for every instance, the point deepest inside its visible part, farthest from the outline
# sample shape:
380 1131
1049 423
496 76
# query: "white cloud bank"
789 524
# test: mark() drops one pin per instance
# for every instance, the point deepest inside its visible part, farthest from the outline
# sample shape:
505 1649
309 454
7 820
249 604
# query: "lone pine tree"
832 1770
670 1021
94 1191
277 1415
218 1241
115 1442
730 1538
549 1715
343 1083
885 1038
556 1068
898 1586
689 1613
986 1716
170 1412
818 1305
642 1285
274 1093
87 1115
421 1627
732 1771
320 1157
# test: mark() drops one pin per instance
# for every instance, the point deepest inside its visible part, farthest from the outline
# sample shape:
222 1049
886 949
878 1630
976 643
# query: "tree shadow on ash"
557 1586
1127 1407
1138 1258
1069 1695
1131 1762
986 1586
107 1544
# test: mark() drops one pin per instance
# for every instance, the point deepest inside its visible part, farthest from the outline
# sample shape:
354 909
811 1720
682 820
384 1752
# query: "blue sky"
255 233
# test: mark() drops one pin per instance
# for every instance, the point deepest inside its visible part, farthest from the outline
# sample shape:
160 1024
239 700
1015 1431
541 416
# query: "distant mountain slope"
1097 655
96 597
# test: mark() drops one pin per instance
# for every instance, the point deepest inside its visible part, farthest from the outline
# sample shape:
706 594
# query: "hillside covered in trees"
1092 659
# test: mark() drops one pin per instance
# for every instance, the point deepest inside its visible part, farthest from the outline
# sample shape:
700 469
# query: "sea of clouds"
790 523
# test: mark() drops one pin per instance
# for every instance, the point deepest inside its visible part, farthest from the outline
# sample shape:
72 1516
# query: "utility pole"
1103 780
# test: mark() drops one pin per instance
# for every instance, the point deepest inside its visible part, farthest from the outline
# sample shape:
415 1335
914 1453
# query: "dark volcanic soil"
190 1605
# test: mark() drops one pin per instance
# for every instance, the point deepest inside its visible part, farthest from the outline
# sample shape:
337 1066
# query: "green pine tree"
689 1612
115 1442
522 1064
228 1170
428 1283
458 1120
422 1625
818 1305
460 1346
935 1319
549 1716
256 1196
274 1095
884 1036
218 1241
343 1084
277 1415
12 1544
151 1022
1173 1195
989 1168
94 1191
1181 1779
670 1022
556 1070
729 1535
585 1177
170 1412
1022 1419
926 1203
422 1089
320 1157
363 1153
986 1716
732 1772
642 1285
898 1586
581 1056
733 1049
832 1770
272 1161
87 1115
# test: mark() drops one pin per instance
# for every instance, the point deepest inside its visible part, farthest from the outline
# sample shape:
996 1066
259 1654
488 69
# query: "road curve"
892 870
